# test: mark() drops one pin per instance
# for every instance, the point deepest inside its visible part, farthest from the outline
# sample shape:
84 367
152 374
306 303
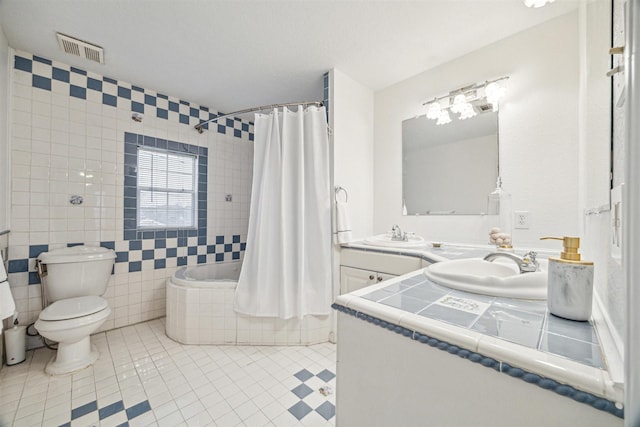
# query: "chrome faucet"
526 264
397 234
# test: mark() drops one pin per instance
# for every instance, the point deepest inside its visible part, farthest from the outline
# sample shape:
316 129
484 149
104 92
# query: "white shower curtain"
286 270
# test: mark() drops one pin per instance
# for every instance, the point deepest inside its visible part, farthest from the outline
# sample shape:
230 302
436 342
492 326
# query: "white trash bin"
15 342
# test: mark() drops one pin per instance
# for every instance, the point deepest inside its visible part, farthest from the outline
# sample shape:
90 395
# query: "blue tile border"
135 251
152 103
131 143
488 362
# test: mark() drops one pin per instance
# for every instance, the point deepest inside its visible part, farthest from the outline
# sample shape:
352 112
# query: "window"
167 189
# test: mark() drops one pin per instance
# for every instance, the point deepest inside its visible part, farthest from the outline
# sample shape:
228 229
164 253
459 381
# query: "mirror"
449 169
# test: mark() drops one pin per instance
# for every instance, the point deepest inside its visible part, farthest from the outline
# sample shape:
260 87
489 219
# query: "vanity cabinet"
352 279
359 268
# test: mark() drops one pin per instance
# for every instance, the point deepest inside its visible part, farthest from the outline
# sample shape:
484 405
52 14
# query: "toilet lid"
73 307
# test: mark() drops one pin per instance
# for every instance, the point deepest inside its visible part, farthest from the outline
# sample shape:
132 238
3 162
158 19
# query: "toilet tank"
76 271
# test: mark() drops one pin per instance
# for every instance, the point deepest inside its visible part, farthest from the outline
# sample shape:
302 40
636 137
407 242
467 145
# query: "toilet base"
72 357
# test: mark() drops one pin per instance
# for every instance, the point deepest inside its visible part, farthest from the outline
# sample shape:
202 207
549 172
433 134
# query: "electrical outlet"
521 219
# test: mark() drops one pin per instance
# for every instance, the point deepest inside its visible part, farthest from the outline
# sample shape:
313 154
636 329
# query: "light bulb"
494 92
443 118
458 103
467 112
434 110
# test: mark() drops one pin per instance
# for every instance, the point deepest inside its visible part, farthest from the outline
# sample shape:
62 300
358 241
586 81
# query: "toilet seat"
45 327
73 308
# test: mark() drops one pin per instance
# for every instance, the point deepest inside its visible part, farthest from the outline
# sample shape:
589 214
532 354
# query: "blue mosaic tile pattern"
28 264
310 385
222 252
114 93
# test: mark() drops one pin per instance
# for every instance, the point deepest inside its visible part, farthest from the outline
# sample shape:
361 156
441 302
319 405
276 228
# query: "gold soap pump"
569 282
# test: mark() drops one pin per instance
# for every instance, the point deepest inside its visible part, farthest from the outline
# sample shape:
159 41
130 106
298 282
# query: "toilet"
73 281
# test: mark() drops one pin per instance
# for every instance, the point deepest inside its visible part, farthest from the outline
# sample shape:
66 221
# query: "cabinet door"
352 279
384 276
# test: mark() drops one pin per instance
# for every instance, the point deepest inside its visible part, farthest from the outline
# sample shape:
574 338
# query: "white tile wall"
62 146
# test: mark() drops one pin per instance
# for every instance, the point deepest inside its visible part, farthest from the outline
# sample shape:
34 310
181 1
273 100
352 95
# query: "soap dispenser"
570 282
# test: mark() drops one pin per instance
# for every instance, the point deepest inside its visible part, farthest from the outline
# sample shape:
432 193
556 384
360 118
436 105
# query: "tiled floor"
144 378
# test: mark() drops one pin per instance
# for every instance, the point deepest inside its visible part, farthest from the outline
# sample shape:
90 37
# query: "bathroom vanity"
454 358
360 268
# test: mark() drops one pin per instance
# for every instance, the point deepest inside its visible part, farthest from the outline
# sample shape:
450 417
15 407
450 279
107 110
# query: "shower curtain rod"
199 126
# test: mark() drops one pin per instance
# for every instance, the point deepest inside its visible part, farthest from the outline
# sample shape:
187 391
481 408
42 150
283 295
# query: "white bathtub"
200 311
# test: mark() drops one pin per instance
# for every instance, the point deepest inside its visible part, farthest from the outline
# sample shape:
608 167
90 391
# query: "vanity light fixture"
467 112
461 101
537 3
494 92
434 110
443 118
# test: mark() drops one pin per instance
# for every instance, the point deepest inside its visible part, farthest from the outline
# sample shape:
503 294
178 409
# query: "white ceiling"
236 54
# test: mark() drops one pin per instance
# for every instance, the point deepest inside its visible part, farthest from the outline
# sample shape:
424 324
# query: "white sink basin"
498 278
386 241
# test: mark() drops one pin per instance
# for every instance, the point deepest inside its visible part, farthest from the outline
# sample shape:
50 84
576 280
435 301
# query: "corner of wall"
5 170
352 124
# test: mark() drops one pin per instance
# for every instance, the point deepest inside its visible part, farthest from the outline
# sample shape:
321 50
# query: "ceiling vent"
82 49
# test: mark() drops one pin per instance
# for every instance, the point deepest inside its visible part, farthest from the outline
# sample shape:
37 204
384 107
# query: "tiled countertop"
519 332
527 323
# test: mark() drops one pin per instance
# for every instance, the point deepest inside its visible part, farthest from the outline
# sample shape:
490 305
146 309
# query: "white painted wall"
4 133
352 123
538 134
351 120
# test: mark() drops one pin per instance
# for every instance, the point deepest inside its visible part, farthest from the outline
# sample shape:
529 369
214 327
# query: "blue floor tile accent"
300 410
84 409
303 375
138 409
326 375
302 391
111 409
327 410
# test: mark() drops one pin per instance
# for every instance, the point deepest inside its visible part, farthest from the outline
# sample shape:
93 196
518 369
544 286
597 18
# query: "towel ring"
339 189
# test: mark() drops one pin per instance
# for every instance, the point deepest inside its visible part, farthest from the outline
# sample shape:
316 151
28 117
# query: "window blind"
167 184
